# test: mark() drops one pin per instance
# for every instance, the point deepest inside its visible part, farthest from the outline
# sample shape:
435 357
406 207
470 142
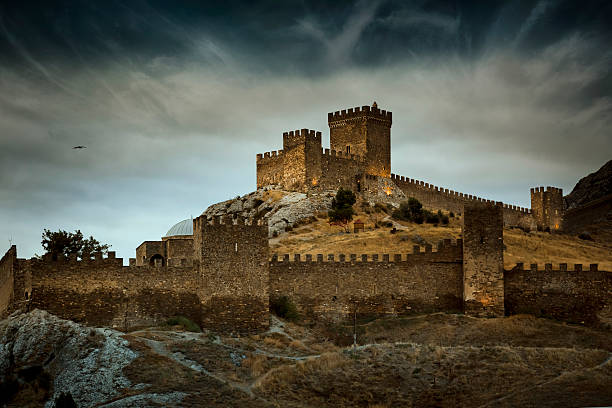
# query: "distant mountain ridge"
590 188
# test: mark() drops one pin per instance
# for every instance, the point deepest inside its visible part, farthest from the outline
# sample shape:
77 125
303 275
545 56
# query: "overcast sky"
174 101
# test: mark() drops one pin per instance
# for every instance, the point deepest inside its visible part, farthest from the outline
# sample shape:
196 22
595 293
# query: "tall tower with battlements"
366 132
547 207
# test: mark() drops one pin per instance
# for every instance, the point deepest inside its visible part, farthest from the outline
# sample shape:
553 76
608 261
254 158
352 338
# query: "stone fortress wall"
223 278
229 286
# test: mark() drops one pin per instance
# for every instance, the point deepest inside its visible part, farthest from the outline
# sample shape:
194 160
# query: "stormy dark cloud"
173 101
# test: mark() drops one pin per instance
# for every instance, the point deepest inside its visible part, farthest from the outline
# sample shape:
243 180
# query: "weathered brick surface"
547 207
575 295
364 131
234 274
105 293
483 279
7 270
331 289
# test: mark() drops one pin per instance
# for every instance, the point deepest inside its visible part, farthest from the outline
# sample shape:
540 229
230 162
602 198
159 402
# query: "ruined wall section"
440 198
574 295
103 292
483 273
234 278
366 132
547 206
330 287
8 265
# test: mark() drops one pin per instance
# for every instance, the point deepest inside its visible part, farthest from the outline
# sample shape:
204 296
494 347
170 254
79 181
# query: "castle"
219 272
359 159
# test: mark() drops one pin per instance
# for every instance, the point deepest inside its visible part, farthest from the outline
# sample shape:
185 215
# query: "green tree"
342 210
64 243
411 210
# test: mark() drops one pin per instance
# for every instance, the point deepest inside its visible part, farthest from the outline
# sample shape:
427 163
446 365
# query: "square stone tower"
302 159
366 132
547 207
234 274
483 259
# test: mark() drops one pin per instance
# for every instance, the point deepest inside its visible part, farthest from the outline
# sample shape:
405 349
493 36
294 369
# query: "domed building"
174 249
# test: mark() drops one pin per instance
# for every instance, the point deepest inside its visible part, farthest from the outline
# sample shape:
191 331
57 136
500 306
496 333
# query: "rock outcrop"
60 356
282 209
590 188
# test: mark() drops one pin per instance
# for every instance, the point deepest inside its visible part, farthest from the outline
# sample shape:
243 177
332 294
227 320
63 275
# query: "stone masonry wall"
366 132
102 292
483 273
439 198
234 277
270 167
577 295
547 207
7 267
330 288
340 170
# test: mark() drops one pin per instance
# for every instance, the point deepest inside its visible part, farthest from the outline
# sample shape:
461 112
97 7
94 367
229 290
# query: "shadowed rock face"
591 187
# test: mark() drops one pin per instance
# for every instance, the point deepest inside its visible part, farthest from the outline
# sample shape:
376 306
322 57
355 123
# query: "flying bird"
80 147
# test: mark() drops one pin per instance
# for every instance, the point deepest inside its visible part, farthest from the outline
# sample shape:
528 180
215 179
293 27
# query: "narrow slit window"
236 247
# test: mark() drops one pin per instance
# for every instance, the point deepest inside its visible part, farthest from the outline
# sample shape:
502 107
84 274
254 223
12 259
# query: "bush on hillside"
185 323
283 307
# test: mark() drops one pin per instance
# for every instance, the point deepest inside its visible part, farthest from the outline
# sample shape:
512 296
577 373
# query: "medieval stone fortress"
219 271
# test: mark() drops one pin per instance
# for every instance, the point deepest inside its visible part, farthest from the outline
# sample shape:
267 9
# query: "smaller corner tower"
302 159
483 262
366 132
547 207
234 274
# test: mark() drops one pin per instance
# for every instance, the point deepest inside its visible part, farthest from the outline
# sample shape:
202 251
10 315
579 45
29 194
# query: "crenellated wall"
234 274
330 287
440 198
578 295
103 292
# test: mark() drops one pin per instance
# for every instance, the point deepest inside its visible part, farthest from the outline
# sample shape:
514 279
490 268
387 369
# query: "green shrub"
411 210
185 323
283 307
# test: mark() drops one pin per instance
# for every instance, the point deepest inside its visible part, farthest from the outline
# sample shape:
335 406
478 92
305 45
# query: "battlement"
298 137
443 247
453 194
228 220
534 267
549 189
357 112
343 155
269 155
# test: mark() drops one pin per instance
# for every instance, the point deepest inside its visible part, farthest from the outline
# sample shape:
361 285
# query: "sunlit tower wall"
547 207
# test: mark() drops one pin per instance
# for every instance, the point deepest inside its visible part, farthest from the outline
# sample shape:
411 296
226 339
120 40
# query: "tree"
411 210
342 211
63 243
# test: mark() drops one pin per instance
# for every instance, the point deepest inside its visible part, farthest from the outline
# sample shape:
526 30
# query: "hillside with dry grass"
318 237
432 360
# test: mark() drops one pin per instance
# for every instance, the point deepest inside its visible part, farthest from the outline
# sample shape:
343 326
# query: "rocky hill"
440 360
592 187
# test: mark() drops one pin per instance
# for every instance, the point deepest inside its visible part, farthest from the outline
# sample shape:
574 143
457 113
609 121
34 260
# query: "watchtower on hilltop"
366 132
547 207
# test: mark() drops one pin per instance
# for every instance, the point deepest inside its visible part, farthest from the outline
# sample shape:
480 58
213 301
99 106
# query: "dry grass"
535 247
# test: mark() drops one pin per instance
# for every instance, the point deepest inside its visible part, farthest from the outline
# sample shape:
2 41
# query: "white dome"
184 227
